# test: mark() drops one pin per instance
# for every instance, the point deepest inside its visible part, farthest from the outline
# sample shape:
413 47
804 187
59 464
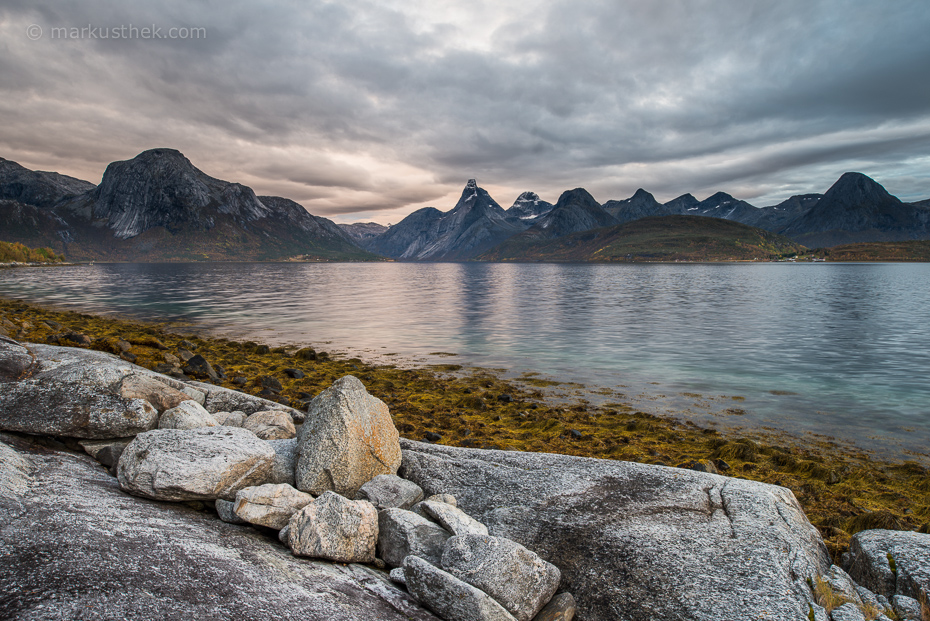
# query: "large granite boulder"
68 392
194 464
270 505
639 542
73 546
335 528
402 533
516 578
348 439
449 597
871 553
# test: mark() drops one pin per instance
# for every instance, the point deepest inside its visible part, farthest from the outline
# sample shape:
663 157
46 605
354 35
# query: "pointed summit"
529 206
641 205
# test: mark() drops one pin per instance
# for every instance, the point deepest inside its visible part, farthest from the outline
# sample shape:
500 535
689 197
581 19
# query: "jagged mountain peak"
529 206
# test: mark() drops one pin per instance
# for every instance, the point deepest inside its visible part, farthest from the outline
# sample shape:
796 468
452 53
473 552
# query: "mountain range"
158 206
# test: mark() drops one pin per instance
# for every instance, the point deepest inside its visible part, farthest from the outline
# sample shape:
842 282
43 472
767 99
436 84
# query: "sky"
369 110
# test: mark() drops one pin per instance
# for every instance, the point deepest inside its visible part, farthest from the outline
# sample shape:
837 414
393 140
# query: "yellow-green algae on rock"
843 490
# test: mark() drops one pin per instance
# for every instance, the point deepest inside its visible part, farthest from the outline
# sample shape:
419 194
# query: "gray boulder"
397 575
120 557
148 388
107 452
230 419
335 528
348 439
516 578
285 459
847 612
270 505
639 542
402 533
271 425
907 608
219 399
820 613
560 608
69 392
449 597
453 519
843 585
194 464
869 562
226 510
188 415
389 490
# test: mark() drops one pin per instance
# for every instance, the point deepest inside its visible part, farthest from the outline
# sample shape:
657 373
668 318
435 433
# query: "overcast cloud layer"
369 110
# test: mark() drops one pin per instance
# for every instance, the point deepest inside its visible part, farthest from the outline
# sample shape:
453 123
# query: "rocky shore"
126 493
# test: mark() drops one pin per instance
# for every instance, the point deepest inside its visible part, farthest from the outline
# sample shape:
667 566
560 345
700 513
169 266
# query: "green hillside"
663 238
18 253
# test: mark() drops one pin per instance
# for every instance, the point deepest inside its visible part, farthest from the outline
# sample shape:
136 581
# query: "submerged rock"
194 464
69 392
348 439
639 542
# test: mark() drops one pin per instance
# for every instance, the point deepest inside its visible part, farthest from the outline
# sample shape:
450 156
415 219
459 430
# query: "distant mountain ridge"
158 206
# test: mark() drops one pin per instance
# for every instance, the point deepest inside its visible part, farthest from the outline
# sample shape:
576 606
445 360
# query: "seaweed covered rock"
639 542
194 464
68 392
348 439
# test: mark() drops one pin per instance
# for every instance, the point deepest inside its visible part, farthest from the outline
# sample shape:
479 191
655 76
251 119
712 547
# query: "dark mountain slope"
858 209
363 232
778 216
662 238
35 187
529 206
641 205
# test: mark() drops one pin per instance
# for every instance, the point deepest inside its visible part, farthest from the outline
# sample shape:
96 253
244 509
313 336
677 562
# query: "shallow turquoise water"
850 342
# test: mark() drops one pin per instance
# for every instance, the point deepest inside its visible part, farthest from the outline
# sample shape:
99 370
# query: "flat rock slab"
335 528
194 464
102 554
402 533
349 438
869 563
639 542
270 505
515 577
70 392
387 491
449 597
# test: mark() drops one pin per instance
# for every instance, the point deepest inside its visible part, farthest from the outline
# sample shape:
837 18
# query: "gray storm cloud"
373 109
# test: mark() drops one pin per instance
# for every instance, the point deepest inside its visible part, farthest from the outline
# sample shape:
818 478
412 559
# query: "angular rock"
285 459
348 439
230 419
198 366
270 505
869 565
449 597
842 584
226 510
107 452
271 425
560 608
453 519
219 399
146 387
122 558
402 533
847 612
630 538
397 575
15 360
389 490
284 534
449 499
907 608
188 415
335 528
69 392
194 464
197 395
515 577
820 614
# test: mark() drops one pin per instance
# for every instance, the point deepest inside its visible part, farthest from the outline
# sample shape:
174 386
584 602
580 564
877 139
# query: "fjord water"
835 349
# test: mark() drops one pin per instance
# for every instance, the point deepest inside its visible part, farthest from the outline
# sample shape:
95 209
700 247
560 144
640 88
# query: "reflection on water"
850 341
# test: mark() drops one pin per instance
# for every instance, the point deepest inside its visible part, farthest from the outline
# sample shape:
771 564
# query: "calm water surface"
837 349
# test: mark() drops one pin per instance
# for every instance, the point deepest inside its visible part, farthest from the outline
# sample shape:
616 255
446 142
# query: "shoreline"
842 489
